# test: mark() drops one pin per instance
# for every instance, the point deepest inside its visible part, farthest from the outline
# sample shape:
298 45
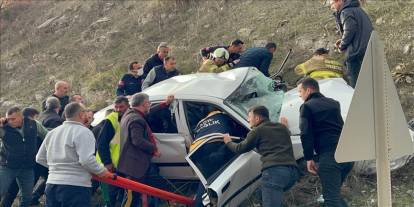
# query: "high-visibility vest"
115 144
320 68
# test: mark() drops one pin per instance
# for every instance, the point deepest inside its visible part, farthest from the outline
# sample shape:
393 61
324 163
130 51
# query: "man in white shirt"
68 152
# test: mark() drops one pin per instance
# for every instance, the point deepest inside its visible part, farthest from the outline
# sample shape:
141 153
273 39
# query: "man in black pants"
355 27
321 125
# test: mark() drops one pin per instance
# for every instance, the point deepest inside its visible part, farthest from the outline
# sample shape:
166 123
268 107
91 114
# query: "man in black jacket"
355 27
161 72
131 82
156 59
61 91
234 49
18 147
259 57
50 118
321 125
108 146
8 199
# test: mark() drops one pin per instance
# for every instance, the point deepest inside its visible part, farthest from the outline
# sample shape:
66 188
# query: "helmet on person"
221 53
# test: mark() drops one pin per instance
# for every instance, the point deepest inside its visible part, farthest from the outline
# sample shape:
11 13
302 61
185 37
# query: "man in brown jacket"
138 146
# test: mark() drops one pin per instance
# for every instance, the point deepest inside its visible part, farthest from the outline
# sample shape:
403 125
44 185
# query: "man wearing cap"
161 72
217 63
320 66
156 59
259 57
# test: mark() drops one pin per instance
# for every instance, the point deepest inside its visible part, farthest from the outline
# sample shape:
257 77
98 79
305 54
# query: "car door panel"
234 181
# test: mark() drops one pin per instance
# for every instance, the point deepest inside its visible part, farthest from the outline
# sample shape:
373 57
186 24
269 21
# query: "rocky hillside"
90 43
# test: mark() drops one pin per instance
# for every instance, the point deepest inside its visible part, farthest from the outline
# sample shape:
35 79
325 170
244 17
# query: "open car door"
171 143
228 177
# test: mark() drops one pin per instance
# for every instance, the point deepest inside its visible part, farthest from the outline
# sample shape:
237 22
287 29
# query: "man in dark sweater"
61 91
321 125
156 59
355 27
259 57
161 72
273 143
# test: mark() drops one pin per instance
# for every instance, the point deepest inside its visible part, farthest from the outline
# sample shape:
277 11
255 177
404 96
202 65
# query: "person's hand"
169 99
205 58
310 164
236 61
110 167
337 44
3 121
106 174
226 138
157 153
284 121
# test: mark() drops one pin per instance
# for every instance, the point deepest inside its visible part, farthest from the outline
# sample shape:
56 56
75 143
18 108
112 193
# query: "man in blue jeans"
273 143
321 125
18 147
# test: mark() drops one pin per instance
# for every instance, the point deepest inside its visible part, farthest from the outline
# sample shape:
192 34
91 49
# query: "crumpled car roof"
219 85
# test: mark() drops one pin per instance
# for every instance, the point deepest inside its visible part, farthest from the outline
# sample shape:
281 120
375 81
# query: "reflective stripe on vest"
114 146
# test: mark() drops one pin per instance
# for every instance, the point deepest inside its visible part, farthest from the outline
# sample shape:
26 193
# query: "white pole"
381 117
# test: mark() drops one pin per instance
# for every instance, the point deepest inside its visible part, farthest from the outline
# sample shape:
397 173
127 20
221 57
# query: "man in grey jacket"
355 27
68 152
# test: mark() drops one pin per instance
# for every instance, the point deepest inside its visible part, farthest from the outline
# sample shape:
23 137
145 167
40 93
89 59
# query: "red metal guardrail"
145 189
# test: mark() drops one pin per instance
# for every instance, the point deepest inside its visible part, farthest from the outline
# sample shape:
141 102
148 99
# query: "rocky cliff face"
90 43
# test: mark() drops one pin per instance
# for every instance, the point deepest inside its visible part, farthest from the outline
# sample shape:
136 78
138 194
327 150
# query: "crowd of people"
56 151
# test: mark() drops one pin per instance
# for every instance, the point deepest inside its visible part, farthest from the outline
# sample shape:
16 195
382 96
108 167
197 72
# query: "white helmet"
221 53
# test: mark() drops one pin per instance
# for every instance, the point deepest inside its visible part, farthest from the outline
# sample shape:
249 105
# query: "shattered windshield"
256 89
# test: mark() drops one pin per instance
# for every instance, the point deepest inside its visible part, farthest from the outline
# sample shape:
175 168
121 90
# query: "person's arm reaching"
149 79
264 66
205 52
246 145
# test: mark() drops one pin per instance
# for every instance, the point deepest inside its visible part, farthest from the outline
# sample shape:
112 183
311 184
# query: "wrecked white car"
234 92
